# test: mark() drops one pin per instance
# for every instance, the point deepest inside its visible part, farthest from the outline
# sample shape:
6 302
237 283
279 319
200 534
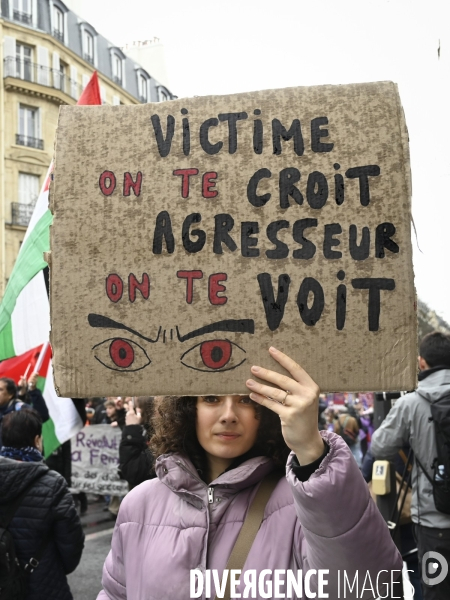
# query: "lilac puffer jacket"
170 525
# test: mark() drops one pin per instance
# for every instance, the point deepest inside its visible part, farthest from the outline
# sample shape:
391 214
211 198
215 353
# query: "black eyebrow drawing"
229 325
106 322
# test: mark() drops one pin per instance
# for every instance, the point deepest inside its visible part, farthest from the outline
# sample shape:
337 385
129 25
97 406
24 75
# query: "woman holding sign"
222 516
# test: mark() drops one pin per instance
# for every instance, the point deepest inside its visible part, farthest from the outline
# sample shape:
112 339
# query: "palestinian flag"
64 421
25 311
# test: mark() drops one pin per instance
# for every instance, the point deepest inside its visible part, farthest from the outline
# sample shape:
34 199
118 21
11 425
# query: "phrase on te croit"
309 236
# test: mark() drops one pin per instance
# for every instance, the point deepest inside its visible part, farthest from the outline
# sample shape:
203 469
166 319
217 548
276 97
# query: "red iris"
215 354
122 353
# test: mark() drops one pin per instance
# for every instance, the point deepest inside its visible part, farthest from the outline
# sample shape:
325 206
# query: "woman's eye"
213 356
121 354
246 400
211 399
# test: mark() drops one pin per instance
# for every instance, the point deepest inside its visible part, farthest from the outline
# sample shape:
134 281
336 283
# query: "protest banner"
190 235
95 461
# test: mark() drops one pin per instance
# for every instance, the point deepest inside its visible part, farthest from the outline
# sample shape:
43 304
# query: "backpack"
348 435
440 415
13 576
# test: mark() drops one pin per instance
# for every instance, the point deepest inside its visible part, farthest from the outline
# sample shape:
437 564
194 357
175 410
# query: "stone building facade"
47 56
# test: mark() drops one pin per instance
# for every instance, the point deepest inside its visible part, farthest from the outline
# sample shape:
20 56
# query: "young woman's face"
226 426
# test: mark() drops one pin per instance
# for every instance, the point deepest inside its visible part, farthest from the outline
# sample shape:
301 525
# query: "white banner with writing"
95 461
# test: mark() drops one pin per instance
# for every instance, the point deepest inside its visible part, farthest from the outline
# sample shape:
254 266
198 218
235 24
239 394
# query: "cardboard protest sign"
191 235
95 460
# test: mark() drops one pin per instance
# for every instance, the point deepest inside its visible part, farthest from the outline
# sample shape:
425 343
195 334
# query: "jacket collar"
178 473
424 374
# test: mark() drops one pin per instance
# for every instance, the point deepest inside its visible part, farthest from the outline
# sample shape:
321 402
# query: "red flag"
15 367
91 93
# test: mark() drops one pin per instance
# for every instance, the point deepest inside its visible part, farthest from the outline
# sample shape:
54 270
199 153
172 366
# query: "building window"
22 11
62 77
29 128
143 88
58 24
117 68
88 43
28 195
163 95
24 64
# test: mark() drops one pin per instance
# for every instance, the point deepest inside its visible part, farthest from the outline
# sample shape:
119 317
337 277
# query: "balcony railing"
88 58
22 17
53 78
117 79
31 142
59 35
21 213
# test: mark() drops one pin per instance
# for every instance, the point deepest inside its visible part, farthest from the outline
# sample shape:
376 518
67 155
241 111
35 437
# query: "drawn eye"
214 356
121 354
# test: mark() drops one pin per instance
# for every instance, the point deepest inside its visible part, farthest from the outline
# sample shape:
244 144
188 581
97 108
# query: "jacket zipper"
210 489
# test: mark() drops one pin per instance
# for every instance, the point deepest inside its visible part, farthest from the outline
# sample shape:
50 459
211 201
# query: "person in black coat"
135 458
47 512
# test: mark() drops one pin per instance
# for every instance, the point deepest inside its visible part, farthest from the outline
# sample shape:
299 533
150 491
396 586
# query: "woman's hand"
295 401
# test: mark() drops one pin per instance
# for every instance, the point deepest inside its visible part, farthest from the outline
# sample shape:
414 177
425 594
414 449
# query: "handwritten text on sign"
278 217
95 461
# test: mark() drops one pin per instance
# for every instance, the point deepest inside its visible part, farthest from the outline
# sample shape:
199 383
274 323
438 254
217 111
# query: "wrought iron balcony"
54 78
117 79
59 35
31 142
22 17
88 58
21 213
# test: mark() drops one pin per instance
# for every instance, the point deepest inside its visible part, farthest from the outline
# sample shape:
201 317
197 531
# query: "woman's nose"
229 412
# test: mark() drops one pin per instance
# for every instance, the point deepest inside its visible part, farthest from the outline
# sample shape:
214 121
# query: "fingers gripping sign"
295 400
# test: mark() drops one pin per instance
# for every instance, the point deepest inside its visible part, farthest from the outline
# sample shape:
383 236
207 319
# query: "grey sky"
222 47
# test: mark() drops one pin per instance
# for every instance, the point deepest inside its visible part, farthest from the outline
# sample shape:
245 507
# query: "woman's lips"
227 436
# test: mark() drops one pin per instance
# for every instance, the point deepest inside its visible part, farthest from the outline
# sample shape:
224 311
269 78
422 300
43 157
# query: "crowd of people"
195 465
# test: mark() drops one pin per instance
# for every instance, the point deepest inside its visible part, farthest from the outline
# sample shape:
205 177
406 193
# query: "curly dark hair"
174 421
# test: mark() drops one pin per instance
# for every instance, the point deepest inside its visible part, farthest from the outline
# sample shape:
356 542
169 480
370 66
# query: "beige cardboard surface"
191 235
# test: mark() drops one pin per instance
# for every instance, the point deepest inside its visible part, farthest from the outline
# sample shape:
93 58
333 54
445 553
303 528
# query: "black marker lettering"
164 145
308 249
249 228
223 224
310 316
374 285
281 249
288 178
317 134
295 131
188 244
274 309
363 174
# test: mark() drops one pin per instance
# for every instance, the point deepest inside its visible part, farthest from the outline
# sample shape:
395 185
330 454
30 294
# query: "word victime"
210 132
310 297
286 583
